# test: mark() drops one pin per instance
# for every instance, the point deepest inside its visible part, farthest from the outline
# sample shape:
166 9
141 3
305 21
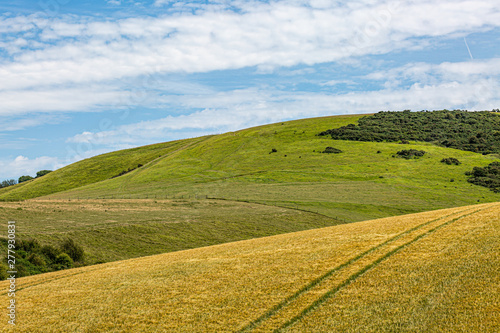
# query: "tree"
24 179
7 183
42 173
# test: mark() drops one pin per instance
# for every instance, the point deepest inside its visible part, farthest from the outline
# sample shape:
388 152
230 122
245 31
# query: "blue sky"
80 78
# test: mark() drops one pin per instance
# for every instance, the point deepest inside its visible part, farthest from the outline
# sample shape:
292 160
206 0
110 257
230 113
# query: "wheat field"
429 272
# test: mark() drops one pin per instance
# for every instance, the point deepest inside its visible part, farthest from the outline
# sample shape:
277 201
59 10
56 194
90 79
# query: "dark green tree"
42 173
24 179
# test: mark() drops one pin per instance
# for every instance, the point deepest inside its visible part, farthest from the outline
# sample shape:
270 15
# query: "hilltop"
433 271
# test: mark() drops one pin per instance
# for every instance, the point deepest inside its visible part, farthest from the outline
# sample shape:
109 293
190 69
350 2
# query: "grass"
432 271
356 185
112 230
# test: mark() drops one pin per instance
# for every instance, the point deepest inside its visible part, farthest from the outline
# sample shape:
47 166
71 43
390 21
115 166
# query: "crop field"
429 272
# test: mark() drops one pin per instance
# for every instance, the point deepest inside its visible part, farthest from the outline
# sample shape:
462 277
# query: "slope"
433 271
363 182
92 170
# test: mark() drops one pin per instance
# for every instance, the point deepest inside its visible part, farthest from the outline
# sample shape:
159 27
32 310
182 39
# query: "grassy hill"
92 170
361 183
428 272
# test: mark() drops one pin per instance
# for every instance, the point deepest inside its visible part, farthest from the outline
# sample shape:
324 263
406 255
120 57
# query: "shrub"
42 173
50 252
24 179
489 176
36 260
72 249
3 272
32 258
31 245
410 153
331 150
63 261
450 161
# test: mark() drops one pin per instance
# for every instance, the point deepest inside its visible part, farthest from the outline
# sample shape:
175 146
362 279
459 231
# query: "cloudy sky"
79 77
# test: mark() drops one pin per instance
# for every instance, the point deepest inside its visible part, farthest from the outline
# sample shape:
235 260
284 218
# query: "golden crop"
428 272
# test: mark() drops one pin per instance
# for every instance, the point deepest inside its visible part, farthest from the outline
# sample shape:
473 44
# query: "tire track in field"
266 321
352 278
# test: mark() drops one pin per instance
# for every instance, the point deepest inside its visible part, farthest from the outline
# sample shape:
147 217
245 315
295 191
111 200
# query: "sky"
80 78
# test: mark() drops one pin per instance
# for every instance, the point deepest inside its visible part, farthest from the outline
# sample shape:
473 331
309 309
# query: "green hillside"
93 170
364 181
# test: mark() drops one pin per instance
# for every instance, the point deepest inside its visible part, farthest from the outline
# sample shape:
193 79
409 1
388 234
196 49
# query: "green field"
429 272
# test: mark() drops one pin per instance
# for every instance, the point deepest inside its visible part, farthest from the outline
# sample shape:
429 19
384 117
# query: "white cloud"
18 102
271 34
71 63
22 165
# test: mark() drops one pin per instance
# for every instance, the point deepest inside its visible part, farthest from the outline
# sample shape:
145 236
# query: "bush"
410 153
331 150
42 173
32 258
488 176
63 261
3 272
50 252
24 179
31 245
451 161
36 260
73 250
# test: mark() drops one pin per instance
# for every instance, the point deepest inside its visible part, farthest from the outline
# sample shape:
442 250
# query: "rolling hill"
363 182
426 272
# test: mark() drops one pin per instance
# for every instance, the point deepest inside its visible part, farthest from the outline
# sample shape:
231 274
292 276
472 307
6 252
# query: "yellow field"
429 272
